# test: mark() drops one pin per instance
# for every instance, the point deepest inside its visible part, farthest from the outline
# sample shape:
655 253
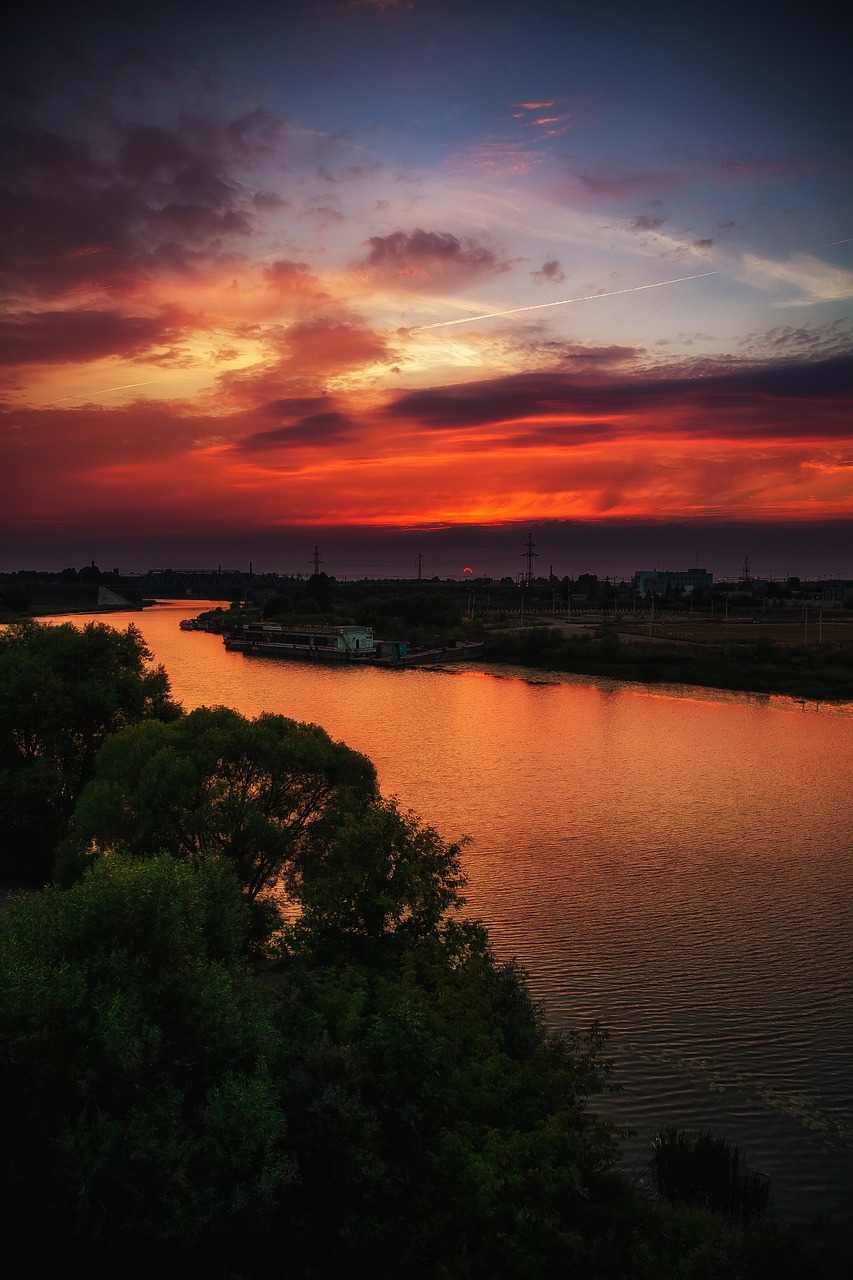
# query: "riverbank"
822 673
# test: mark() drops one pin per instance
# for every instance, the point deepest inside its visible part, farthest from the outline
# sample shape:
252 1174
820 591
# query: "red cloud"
303 356
740 442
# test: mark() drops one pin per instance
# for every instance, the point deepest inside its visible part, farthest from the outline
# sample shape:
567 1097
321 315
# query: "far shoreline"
597 649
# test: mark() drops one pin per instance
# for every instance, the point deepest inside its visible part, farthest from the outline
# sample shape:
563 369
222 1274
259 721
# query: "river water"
675 861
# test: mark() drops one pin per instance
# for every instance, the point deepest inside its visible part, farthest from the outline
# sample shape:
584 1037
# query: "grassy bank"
819 673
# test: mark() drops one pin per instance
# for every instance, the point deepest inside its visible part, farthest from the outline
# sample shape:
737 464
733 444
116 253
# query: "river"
675 861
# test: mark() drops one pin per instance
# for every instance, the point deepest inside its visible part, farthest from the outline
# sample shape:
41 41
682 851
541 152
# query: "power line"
530 555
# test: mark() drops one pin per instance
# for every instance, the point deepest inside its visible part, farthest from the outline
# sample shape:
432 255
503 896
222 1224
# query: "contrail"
87 395
564 302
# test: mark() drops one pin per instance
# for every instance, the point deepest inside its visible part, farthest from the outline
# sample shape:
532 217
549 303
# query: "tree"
263 794
63 690
438 1125
138 1094
13 598
380 873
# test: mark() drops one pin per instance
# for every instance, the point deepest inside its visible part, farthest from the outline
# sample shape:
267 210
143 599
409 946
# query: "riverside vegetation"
768 659
245 1025
774 658
821 673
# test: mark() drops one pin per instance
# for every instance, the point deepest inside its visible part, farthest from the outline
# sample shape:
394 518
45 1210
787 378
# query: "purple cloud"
550 272
428 257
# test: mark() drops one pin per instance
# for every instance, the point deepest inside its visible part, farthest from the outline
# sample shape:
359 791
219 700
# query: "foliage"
381 872
137 1093
821 672
439 1126
416 616
263 794
383 1094
13 599
62 692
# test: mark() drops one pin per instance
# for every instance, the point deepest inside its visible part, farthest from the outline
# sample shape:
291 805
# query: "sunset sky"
401 276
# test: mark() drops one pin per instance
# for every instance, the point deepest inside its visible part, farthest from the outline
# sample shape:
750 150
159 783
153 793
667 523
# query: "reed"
702 1169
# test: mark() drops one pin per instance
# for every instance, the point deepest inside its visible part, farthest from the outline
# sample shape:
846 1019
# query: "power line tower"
316 559
530 555
420 565
746 572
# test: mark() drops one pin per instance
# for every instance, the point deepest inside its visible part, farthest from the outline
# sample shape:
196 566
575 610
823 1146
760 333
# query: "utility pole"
530 555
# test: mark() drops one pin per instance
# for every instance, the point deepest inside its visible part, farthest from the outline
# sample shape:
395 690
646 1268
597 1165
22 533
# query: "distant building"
656 581
836 593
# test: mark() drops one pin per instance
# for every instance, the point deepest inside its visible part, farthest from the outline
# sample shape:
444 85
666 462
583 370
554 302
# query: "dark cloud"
645 222
552 354
64 336
321 211
823 342
351 173
564 434
581 357
296 407
620 181
752 167
428 258
284 270
550 271
269 201
73 216
799 399
317 430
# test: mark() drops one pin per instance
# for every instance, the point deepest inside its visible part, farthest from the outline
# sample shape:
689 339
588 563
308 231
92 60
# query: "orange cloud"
755 444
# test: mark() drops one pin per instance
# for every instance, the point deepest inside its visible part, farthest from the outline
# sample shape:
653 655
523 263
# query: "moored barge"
315 643
350 644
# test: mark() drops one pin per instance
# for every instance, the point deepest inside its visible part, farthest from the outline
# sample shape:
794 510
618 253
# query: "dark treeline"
433 605
823 672
246 1030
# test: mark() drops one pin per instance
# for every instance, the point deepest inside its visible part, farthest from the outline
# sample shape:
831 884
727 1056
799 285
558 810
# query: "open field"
788 631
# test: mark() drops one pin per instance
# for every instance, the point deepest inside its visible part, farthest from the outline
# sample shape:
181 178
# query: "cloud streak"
564 302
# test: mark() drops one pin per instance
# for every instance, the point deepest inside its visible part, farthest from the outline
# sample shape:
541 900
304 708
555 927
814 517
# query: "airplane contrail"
87 395
563 302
